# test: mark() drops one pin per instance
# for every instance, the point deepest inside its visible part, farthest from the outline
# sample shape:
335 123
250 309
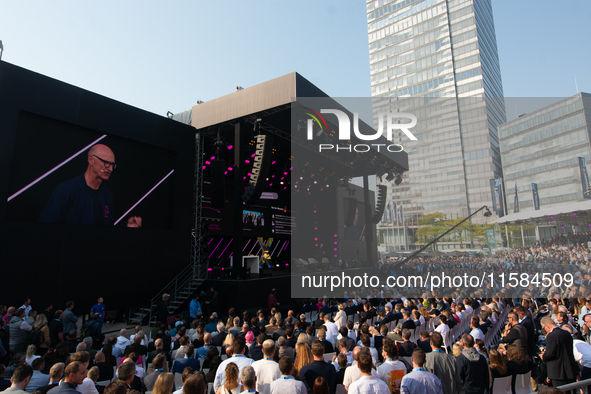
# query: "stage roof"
272 102
573 213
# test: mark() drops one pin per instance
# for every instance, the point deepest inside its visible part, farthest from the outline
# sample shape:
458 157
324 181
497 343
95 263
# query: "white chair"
178 381
523 383
445 336
502 385
328 356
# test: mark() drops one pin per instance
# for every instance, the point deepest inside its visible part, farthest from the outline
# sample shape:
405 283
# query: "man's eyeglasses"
107 164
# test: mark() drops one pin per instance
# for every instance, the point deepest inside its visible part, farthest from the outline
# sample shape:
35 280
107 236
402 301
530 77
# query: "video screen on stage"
265 219
63 173
252 219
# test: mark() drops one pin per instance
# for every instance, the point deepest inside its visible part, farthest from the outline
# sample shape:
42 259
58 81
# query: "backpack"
33 338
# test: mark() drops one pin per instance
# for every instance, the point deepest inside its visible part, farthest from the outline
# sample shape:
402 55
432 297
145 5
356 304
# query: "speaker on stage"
260 169
218 166
351 210
381 204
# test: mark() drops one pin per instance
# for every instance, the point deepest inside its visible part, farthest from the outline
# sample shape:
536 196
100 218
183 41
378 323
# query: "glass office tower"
544 147
438 60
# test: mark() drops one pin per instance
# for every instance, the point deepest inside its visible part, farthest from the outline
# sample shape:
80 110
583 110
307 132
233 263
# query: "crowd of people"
371 344
383 343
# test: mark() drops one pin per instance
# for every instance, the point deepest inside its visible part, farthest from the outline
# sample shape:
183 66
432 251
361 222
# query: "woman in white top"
442 328
230 381
340 318
30 355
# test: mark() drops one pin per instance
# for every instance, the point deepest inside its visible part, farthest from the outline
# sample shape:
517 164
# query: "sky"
164 56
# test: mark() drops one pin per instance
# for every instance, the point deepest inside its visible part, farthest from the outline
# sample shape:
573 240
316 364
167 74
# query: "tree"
461 232
431 226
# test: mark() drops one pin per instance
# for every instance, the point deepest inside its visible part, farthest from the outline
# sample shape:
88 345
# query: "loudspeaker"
260 169
381 204
218 166
351 210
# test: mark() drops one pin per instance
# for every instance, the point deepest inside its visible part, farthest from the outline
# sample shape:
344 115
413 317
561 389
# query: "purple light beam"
145 195
55 168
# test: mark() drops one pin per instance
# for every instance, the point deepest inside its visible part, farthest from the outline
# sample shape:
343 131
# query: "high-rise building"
549 147
438 60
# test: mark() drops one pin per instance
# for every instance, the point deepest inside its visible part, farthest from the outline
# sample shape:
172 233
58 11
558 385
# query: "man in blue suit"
181 363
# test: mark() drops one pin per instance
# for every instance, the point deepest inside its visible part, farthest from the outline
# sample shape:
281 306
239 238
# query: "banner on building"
400 218
584 177
534 190
516 201
491 238
496 189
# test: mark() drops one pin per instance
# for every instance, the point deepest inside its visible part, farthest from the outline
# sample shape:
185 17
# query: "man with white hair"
249 380
220 336
122 343
236 328
266 369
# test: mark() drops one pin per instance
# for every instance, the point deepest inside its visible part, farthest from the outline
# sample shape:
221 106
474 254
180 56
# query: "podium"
252 262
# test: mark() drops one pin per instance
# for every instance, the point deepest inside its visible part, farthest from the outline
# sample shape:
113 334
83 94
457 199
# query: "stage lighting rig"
398 179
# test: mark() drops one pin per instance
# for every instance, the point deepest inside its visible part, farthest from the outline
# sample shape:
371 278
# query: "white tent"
577 212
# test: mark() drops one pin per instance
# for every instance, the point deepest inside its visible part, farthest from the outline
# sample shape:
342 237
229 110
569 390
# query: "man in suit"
188 361
407 347
558 356
280 331
256 351
220 337
319 367
529 326
326 344
407 323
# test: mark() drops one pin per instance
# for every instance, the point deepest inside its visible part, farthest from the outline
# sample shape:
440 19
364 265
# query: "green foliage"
435 224
431 226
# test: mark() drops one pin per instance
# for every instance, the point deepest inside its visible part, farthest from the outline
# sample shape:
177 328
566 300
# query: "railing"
583 384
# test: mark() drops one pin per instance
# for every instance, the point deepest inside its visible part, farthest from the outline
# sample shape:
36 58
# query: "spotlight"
238 87
487 212
169 115
390 176
398 179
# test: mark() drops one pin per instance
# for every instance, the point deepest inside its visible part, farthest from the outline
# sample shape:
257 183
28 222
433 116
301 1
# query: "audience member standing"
442 365
419 381
559 356
472 368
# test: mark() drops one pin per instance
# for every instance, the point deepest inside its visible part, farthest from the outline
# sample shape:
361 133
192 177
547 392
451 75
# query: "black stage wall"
53 262
246 294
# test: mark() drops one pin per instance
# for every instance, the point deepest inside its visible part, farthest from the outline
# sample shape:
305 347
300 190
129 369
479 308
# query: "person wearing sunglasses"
85 199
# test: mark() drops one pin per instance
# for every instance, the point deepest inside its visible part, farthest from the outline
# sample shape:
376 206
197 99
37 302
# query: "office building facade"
543 147
438 60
